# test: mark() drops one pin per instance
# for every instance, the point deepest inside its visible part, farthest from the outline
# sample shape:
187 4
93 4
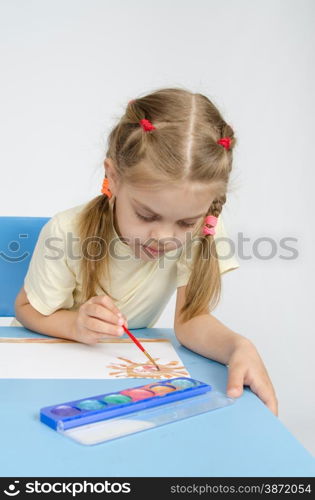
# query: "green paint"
116 399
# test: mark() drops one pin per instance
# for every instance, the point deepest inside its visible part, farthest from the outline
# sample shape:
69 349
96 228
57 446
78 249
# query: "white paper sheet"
28 358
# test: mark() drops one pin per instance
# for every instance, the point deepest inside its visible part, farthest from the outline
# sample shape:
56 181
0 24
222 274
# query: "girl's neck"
115 223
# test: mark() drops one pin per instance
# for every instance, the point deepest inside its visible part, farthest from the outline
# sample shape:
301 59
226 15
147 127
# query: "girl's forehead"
181 190
161 200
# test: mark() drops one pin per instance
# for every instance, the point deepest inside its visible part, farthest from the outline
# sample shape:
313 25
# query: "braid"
216 206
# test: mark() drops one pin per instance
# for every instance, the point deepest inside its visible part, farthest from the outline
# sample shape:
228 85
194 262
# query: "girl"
155 227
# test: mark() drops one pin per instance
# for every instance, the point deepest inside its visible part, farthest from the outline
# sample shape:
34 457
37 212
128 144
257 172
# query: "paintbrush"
136 341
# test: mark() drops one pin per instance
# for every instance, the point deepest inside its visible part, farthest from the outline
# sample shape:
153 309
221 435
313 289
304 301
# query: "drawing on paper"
110 358
133 369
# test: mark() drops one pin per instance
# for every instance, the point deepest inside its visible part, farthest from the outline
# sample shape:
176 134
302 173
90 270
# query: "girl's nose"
162 238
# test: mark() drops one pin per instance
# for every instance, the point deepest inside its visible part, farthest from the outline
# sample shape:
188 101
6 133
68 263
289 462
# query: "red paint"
138 394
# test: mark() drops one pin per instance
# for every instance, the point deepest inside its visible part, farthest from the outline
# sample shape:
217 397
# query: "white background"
68 69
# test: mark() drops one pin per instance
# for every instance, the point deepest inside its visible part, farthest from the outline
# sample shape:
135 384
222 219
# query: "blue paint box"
115 414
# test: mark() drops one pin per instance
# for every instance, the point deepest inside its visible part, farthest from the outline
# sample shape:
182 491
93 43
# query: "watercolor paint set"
112 415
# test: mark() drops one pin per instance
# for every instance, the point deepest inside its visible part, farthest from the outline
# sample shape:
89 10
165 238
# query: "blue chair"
18 237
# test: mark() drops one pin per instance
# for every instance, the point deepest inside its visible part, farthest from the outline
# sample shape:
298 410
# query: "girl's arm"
206 335
58 324
98 313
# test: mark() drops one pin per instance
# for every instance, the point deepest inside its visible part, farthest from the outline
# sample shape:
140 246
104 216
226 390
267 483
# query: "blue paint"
90 404
183 383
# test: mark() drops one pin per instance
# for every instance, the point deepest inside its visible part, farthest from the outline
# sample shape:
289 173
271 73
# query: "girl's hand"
247 368
96 319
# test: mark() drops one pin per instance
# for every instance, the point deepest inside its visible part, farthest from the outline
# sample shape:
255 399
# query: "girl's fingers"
106 301
267 395
100 312
235 381
272 404
98 326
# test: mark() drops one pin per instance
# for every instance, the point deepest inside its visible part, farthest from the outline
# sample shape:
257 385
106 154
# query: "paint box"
115 414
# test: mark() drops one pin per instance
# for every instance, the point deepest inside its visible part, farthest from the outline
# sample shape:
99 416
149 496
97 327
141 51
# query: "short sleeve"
49 282
225 249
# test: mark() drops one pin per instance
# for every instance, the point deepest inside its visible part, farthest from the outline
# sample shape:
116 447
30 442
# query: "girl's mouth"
153 251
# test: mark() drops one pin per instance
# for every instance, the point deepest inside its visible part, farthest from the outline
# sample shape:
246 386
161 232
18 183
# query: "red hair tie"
212 221
146 125
225 142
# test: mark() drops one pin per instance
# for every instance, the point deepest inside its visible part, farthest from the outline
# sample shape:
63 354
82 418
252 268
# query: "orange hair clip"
105 188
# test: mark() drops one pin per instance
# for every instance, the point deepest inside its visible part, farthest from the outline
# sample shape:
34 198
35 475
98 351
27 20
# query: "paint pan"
113 415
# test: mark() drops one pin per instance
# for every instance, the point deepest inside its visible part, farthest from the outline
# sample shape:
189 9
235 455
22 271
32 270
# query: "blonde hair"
183 147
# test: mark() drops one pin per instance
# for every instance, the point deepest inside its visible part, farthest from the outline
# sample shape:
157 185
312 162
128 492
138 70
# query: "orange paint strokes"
130 369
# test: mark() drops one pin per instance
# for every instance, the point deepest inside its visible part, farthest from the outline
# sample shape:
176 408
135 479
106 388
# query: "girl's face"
158 219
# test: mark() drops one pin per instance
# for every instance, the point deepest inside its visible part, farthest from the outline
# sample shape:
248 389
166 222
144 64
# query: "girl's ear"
108 167
111 174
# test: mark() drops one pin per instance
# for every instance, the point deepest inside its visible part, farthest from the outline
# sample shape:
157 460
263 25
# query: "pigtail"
203 289
94 226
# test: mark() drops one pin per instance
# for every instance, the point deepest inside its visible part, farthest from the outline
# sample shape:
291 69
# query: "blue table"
244 439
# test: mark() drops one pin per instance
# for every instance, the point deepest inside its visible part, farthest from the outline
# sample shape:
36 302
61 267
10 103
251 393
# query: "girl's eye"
151 219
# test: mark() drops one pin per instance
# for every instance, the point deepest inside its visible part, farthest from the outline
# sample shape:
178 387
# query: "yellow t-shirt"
53 280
